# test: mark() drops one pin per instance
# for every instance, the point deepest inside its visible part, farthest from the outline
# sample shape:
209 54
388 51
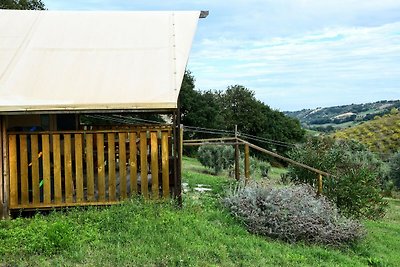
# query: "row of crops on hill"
381 135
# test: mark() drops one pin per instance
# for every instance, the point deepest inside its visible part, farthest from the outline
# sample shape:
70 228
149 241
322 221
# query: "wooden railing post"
319 180
1 171
246 162
237 156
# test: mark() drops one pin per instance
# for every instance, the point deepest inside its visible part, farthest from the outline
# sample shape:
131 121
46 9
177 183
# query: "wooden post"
237 156
319 190
181 145
5 173
1 171
246 162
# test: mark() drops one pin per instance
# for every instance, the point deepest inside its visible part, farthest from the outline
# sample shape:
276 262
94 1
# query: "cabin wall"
24 121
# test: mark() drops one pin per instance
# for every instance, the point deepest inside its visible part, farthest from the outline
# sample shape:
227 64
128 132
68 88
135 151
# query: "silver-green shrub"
292 214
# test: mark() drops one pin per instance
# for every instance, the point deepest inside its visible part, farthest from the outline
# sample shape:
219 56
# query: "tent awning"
63 60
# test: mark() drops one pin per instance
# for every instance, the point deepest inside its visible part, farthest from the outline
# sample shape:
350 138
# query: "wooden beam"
246 162
284 158
237 157
209 140
213 144
6 168
319 181
1 171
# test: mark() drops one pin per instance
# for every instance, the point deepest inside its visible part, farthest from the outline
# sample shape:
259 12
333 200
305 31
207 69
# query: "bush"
394 172
258 168
220 158
292 214
217 158
358 175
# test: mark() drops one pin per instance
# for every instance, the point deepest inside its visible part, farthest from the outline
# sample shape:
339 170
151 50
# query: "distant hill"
381 134
339 117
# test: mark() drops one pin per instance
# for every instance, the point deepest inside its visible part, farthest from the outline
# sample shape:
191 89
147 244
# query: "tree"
394 173
200 109
22 4
357 174
253 117
236 106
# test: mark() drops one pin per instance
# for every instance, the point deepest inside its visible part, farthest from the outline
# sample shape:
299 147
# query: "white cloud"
330 65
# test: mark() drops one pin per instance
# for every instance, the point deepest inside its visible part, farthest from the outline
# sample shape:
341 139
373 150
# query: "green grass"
202 233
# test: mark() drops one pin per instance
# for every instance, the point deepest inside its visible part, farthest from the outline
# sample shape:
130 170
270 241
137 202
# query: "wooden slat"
35 168
68 169
122 164
78 167
165 164
89 167
143 164
111 167
101 183
57 169
46 169
133 162
154 165
12 148
2 199
23 155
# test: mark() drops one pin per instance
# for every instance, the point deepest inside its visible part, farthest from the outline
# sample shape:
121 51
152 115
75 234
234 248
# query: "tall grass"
202 233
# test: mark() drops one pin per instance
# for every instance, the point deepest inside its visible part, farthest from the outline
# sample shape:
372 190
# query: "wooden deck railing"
77 168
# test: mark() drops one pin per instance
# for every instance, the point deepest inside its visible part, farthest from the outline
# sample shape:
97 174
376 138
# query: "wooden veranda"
53 169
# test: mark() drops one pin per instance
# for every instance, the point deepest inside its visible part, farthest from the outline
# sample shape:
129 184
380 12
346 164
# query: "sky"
293 54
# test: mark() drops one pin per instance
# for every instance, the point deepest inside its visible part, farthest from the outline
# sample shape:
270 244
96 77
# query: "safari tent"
57 67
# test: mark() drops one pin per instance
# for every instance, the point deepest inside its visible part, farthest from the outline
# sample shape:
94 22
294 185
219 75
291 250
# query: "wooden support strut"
319 179
246 163
1 172
237 157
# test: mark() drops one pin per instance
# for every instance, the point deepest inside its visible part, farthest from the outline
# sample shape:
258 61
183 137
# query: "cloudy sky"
294 54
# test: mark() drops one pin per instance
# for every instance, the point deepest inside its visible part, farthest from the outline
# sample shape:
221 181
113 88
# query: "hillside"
381 134
339 117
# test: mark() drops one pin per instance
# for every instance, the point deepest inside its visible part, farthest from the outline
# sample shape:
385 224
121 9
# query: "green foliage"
22 4
394 172
235 106
381 135
199 108
358 174
255 118
258 168
37 237
292 214
217 158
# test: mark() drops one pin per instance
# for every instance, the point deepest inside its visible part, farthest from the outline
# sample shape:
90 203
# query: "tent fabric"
68 60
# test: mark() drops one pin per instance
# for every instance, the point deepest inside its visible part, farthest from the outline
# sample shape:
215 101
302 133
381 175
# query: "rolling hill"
334 118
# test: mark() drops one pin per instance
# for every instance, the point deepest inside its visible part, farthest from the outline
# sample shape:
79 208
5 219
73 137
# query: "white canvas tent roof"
63 60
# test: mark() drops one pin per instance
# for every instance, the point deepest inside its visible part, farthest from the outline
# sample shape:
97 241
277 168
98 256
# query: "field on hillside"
381 135
341 117
202 233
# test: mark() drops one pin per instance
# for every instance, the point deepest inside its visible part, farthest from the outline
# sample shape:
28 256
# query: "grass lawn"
202 233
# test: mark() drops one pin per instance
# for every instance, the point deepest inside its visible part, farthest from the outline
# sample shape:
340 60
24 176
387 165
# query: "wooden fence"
247 145
77 168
